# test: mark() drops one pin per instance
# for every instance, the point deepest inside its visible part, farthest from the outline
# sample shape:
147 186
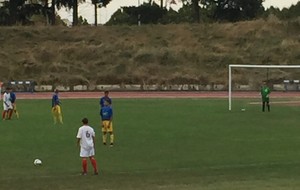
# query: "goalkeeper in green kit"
265 92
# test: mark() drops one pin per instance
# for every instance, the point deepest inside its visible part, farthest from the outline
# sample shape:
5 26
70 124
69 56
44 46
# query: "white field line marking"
219 167
277 102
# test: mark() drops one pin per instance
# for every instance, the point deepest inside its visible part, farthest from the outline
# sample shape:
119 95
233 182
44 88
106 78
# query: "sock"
17 113
10 112
60 118
104 138
84 165
111 138
94 163
54 119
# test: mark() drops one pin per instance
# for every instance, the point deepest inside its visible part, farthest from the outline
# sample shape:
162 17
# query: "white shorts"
87 152
7 107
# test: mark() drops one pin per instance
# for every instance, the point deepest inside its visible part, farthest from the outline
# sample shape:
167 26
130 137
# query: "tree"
146 13
70 4
234 10
16 11
4 14
13 10
82 21
99 3
195 9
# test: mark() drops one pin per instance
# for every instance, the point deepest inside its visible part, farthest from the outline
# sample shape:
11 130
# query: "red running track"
154 94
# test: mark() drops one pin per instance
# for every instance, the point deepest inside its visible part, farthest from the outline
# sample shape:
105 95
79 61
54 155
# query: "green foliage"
4 14
82 21
16 11
284 14
233 10
103 3
146 13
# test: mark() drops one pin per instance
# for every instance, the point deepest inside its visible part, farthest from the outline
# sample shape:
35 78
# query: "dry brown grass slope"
147 54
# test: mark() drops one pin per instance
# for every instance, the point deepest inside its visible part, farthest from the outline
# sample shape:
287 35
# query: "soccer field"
171 144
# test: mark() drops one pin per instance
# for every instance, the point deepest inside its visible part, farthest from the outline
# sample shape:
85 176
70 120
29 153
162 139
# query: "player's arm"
94 141
101 112
111 116
78 137
5 101
78 142
101 102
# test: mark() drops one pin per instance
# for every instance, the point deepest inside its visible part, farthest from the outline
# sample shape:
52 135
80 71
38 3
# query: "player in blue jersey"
106 114
13 99
105 98
56 109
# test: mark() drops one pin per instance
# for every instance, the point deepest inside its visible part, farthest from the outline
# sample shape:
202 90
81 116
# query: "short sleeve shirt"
86 134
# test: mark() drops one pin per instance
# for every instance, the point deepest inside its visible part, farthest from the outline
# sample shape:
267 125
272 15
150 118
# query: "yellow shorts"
56 110
107 126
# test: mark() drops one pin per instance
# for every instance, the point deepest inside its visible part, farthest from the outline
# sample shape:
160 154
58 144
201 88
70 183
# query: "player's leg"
10 112
104 137
84 154
4 113
94 164
15 110
104 132
111 134
53 110
59 114
84 166
268 105
111 137
263 106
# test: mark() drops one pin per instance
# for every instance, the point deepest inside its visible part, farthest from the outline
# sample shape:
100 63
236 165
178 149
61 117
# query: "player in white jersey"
86 141
7 105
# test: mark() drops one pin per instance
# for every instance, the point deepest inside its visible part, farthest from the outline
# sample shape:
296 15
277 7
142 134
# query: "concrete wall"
155 87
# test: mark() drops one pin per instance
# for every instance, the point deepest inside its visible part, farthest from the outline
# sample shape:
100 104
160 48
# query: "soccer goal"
231 67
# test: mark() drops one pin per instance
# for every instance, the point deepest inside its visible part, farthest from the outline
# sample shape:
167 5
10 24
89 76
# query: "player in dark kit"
106 114
105 98
56 109
265 92
13 99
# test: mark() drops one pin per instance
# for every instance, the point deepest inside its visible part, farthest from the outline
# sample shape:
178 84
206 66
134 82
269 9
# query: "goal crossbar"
252 66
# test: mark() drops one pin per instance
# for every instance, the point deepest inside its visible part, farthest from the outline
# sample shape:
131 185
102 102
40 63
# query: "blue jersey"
12 97
103 99
106 113
55 100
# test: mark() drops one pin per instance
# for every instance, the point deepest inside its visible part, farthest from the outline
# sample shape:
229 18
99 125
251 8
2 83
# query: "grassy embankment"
147 54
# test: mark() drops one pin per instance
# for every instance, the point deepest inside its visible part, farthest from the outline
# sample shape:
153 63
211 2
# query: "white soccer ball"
243 109
37 162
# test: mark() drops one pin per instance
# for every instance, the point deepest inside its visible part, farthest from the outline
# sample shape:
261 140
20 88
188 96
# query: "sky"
86 10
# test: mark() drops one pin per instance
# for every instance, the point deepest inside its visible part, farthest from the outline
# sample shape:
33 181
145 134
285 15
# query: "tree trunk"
13 12
161 3
196 11
46 12
95 7
53 16
75 13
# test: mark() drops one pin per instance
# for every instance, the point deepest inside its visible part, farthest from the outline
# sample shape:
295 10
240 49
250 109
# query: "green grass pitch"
171 144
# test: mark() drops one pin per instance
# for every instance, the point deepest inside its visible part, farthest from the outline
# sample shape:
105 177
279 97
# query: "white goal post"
252 66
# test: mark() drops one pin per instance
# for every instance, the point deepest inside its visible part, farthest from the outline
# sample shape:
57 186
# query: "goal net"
250 77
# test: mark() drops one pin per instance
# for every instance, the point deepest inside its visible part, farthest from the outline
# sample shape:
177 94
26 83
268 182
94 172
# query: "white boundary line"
217 167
